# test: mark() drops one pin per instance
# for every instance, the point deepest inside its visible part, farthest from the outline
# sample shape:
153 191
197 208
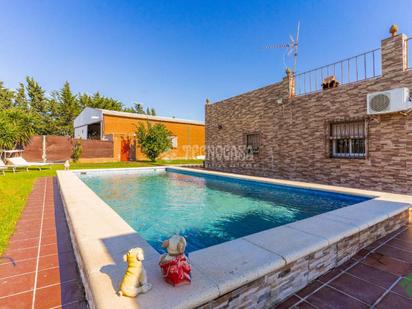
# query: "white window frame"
174 142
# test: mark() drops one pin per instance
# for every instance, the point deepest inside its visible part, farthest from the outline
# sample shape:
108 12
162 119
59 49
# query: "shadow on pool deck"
116 271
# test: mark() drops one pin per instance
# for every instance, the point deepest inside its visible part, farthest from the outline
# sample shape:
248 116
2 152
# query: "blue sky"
171 55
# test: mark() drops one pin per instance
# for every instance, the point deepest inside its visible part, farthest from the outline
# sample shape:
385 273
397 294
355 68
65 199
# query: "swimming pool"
206 209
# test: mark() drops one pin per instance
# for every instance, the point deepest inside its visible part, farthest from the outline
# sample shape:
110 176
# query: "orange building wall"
190 137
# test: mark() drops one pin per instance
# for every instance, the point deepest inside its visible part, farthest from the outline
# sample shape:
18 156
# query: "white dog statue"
135 280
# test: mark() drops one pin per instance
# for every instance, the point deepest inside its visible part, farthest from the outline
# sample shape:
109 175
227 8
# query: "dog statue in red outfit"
174 264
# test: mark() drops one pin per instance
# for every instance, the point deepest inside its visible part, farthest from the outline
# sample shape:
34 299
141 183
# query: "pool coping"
100 238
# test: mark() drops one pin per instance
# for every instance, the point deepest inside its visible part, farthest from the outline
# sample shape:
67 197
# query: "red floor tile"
58 279
360 289
405 236
388 264
395 253
49 226
347 265
403 289
373 275
329 275
48 261
29 225
19 237
17 268
401 244
305 305
309 289
59 294
394 301
48 249
19 301
330 298
361 254
57 275
21 254
16 284
23 244
23 235
48 276
35 229
288 303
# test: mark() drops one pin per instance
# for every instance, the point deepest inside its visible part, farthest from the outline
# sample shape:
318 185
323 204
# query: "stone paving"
371 279
38 269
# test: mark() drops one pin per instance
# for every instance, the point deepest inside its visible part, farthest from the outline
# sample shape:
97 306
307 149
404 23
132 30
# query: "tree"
138 108
6 97
77 151
84 100
20 98
150 111
153 139
54 113
36 94
17 127
39 106
99 101
68 108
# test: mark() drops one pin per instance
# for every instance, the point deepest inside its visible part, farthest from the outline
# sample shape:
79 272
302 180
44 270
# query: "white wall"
80 132
88 116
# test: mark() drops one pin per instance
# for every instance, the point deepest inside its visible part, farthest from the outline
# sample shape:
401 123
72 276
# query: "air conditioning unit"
389 101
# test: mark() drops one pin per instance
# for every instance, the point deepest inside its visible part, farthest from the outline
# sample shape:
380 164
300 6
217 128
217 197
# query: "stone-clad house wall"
294 134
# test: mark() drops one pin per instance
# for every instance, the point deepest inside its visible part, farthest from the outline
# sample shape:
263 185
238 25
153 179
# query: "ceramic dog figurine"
174 264
135 280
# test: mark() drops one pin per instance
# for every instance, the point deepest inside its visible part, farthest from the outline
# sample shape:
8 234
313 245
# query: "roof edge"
148 117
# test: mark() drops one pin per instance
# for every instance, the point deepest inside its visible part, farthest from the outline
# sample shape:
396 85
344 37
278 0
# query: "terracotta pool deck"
371 279
38 270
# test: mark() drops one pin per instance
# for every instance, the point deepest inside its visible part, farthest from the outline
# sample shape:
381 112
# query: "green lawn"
15 188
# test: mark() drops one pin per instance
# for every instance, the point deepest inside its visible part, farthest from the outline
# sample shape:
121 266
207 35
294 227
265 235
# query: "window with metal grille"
348 139
252 143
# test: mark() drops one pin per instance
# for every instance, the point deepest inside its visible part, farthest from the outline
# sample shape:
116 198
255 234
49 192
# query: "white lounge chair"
20 162
3 167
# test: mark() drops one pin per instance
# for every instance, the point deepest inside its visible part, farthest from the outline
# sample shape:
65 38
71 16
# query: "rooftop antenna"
291 47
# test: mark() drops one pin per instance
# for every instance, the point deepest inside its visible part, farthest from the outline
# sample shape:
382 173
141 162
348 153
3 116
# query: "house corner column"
289 84
394 51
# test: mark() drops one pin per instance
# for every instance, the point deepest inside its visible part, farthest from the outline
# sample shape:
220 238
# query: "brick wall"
294 141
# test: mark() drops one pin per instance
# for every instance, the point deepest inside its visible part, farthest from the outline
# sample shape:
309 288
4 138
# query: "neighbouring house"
188 136
347 124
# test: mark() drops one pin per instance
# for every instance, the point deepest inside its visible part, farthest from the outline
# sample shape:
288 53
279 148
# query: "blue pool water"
207 210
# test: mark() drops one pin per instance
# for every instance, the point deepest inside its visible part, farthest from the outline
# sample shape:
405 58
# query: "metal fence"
351 70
